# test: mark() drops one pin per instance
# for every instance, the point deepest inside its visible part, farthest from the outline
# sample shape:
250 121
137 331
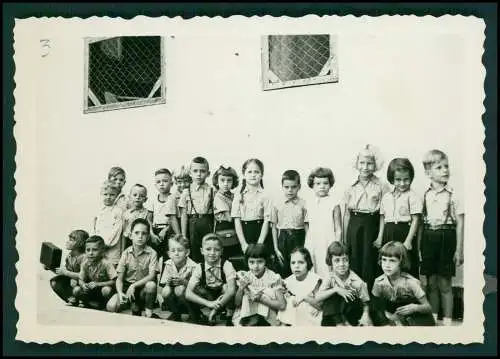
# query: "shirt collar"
217 264
259 190
292 200
146 249
445 188
197 187
373 179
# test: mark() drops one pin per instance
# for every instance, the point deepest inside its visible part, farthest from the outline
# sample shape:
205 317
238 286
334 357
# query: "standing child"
164 211
251 208
109 222
196 205
138 196
443 234
302 286
97 276
398 297
344 295
213 282
176 275
117 176
289 221
137 270
224 180
361 214
400 210
259 296
182 181
325 224
66 279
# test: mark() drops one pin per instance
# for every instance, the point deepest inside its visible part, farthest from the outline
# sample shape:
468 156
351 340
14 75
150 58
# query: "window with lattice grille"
123 72
297 60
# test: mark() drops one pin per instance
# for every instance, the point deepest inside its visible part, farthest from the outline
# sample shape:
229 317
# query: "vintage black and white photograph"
207 205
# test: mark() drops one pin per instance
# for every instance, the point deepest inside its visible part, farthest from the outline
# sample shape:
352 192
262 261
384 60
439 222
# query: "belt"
259 221
359 213
200 215
439 226
291 230
407 223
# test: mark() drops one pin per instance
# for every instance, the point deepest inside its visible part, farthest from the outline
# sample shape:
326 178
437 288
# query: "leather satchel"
228 237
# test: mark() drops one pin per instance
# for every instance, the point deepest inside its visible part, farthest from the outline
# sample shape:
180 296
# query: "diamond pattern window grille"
122 72
296 60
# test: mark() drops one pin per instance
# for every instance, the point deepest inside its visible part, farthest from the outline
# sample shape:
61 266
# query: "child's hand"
393 318
407 309
255 297
130 292
85 287
378 242
177 281
61 271
280 256
296 301
92 285
348 295
458 257
408 245
244 282
123 298
73 283
163 233
155 239
214 304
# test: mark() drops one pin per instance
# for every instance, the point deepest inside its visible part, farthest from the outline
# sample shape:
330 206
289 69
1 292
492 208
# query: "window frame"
88 94
268 77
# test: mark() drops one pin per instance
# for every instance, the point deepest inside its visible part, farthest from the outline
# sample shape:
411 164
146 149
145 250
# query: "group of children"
329 262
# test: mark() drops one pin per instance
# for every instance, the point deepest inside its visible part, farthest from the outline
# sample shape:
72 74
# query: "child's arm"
184 221
174 223
423 307
345 223
116 231
277 304
337 220
378 241
274 230
190 293
229 293
263 232
412 232
239 232
459 252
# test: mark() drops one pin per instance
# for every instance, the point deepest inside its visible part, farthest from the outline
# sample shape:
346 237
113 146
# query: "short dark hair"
163 171
200 160
256 250
321 172
115 171
396 250
306 254
225 171
140 221
290 175
336 249
96 239
400 165
80 236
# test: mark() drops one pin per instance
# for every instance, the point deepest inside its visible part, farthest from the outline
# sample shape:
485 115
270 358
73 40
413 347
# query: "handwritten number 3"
45 43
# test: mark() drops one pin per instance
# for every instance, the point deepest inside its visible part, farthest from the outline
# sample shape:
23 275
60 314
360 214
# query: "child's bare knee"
112 305
166 291
77 291
150 287
106 291
444 285
180 291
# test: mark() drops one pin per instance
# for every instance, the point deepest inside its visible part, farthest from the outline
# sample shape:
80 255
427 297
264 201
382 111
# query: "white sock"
148 312
435 316
446 321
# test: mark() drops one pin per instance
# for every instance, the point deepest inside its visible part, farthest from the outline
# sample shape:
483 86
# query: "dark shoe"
155 316
176 317
136 310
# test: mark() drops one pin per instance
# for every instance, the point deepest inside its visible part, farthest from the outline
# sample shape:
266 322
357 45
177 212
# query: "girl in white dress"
325 224
302 308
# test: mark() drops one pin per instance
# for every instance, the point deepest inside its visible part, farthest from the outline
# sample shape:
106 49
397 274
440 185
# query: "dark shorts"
288 240
437 249
199 226
336 311
212 294
251 231
397 232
